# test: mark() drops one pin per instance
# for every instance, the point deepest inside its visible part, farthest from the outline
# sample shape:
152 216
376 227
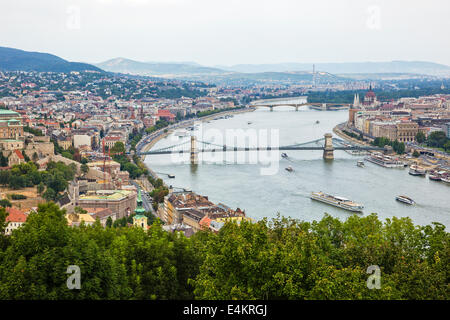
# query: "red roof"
205 222
165 113
370 94
15 215
19 154
112 138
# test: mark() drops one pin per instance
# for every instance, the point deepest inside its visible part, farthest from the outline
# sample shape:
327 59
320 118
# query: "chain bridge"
328 144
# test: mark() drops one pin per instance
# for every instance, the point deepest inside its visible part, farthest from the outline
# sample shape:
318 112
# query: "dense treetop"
278 259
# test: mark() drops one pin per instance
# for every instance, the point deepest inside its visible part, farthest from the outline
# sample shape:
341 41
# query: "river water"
242 182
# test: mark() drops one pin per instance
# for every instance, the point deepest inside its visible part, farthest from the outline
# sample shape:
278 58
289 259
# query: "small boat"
405 199
445 176
415 170
435 176
249 122
181 133
317 122
289 169
171 176
360 164
284 155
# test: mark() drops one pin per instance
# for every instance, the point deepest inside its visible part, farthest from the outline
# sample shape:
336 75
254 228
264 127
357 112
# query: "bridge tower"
194 152
328 150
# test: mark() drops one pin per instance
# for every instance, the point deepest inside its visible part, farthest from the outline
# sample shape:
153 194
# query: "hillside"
123 65
19 60
417 67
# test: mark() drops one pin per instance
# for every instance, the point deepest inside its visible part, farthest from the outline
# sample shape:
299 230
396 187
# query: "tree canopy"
277 259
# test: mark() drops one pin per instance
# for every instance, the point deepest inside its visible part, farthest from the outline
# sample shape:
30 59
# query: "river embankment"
154 137
423 162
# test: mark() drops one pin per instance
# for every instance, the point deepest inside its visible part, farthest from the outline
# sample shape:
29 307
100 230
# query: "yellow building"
236 219
65 143
140 221
10 125
75 219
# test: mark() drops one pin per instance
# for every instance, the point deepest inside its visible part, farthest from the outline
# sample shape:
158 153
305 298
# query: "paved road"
146 199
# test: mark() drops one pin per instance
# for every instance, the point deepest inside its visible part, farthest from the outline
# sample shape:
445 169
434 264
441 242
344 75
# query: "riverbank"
338 131
417 161
162 135
164 132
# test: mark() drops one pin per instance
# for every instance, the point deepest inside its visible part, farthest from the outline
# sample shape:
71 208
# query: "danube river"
241 184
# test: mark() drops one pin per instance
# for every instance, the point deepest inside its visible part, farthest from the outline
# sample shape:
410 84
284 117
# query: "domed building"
370 99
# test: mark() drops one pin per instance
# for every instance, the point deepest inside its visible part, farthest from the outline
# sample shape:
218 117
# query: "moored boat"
435 176
416 170
385 161
360 164
405 199
337 201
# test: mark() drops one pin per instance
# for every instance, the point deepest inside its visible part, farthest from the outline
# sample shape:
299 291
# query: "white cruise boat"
337 201
385 161
415 170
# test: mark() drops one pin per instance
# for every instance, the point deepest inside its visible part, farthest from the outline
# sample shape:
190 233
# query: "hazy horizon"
226 33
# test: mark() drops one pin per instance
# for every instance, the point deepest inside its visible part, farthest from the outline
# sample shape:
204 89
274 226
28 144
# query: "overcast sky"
226 32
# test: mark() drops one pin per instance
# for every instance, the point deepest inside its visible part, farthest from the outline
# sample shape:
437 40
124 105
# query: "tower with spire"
139 208
356 101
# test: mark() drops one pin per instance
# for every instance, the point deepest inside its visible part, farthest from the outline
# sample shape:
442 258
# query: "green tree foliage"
84 168
280 259
5 203
34 131
3 160
420 137
381 142
26 174
40 188
287 259
438 139
158 125
118 154
50 194
115 263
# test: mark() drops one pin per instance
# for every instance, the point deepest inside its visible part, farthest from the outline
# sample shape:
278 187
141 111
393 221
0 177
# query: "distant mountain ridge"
19 60
123 65
416 67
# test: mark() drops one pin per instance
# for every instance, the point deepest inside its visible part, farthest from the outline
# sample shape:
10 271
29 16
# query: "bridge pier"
271 108
328 150
194 152
296 107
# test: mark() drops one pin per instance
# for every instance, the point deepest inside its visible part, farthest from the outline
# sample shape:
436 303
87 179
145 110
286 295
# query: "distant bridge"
328 144
296 102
